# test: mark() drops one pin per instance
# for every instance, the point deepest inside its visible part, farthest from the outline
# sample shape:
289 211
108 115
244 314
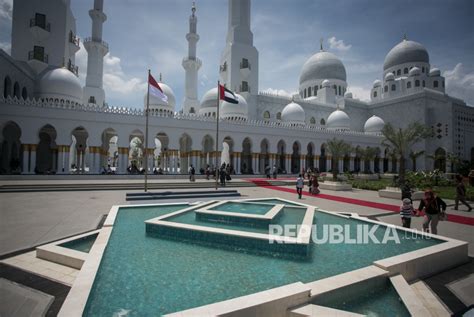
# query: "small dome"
293 113
348 95
157 103
234 111
60 83
377 83
209 100
338 120
389 77
374 125
415 71
323 65
406 52
435 72
326 83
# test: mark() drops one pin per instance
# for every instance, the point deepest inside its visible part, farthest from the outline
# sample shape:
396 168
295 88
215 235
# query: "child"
299 185
406 211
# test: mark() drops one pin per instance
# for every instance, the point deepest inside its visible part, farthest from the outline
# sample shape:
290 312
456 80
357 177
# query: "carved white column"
26 158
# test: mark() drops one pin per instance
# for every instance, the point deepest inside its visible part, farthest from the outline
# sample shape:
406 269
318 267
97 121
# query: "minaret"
191 65
96 50
239 61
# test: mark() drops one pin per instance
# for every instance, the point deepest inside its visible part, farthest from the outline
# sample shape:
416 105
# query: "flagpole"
146 130
217 132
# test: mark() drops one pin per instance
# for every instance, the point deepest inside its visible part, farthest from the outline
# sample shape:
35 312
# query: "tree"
414 156
367 155
401 140
337 149
454 160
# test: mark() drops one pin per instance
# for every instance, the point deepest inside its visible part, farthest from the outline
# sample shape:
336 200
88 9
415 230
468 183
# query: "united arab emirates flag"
227 95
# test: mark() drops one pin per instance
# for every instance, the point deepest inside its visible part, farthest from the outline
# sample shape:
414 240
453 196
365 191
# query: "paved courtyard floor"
29 219
33 218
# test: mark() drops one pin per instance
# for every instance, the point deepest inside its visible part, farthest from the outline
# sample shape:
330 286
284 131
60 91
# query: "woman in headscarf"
433 207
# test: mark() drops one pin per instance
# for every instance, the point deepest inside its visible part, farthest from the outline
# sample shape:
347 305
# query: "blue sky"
146 34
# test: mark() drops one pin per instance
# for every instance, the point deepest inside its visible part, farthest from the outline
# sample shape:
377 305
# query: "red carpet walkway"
394 208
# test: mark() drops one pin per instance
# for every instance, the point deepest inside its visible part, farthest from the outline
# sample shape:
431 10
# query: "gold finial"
321 40
193 8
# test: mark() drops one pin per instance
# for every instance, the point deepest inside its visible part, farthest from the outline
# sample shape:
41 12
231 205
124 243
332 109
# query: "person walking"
315 185
191 172
267 171
274 171
434 207
406 191
222 174
406 211
299 185
461 194
208 172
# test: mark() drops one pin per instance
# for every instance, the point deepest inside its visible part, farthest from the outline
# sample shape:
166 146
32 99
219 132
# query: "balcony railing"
39 57
73 68
91 39
44 26
74 39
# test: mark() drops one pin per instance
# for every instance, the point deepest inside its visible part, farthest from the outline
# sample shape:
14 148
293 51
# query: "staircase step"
222 191
311 310
181 196
429 299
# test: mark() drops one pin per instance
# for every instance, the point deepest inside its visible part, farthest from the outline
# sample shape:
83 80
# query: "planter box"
370 177
388 175
339 186
396 193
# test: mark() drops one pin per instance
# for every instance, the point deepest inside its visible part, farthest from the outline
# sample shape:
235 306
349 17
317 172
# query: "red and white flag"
227 95
155 89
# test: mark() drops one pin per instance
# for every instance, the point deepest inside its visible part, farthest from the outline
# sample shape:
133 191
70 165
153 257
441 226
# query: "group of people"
223 173
313 182
432 207
271 172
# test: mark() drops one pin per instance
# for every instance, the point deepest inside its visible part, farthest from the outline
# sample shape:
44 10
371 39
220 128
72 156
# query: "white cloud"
359 92
6 47
115 80
280 92
460 83
6 7
338 45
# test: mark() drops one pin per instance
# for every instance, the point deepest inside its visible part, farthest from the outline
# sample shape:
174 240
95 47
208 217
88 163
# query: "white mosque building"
49 123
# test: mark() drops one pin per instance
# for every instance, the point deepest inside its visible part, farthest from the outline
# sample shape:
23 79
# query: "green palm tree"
367 154
453 160
414 156
337 148
401 140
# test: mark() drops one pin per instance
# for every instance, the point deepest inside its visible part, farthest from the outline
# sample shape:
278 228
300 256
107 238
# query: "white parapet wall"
273 302
338 186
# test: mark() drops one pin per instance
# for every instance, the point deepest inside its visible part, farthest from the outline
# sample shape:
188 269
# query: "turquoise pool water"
244 208
289 215
148 276
82 244
379 301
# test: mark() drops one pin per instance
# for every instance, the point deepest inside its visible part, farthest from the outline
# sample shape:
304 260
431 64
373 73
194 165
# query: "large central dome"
323 65
406 52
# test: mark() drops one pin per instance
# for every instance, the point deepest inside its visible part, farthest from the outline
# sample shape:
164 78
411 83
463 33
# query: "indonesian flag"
227 95
155 89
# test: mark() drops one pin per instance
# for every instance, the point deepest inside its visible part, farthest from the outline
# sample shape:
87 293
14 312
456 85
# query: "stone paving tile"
29 262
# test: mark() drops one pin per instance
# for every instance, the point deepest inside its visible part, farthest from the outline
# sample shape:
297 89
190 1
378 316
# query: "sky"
145 34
